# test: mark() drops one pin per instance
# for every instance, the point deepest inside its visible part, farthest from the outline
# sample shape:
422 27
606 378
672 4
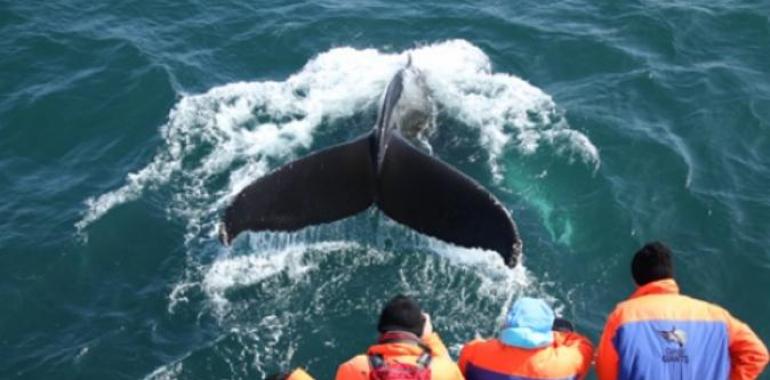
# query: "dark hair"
401 313
651 263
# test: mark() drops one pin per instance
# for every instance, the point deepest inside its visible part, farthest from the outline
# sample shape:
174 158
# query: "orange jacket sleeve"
443 365
748 356
466 354
606 354
437 347
586 349
352 369
299 374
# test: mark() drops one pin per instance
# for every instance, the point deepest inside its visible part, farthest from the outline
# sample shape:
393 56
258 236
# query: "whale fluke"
410 187
436 199
384 169
325 186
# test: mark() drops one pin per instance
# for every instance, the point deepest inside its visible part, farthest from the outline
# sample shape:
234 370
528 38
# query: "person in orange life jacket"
659 334
407 343
296 374
532 345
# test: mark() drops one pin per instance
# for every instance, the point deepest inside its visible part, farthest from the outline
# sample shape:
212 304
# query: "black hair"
401 313
651 263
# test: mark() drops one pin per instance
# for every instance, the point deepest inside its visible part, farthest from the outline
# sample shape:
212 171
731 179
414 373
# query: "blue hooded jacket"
528 324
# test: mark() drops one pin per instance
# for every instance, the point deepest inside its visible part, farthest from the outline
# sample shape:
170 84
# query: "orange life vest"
442 367
568 357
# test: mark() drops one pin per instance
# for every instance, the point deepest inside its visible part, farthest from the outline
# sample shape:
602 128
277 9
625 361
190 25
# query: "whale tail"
409 186
438 200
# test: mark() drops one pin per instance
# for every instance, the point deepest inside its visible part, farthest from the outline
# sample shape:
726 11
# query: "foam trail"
257 260
242 271
506 109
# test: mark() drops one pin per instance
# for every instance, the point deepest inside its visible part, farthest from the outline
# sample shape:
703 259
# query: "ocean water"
126 128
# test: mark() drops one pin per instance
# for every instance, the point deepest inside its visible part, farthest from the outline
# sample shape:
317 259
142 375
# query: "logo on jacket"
678 337
674 336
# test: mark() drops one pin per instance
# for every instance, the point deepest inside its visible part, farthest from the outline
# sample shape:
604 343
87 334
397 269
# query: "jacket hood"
528 324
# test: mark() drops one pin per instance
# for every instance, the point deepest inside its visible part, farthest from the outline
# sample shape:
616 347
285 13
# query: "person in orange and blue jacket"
406 338
528 348
659 334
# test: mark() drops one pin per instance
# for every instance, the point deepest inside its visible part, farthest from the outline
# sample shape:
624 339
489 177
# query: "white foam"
497 280
504 108
166 372
235 130
229 273
264 328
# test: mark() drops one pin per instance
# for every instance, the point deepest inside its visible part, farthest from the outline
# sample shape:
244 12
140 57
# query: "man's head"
651 263
401 313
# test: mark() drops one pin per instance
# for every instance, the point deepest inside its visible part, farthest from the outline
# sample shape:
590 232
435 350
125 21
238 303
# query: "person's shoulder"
477 344
354 368
668 306
299 374
573 342
629 310
358 360
622 308
639 307
445 368
565 337
475 347
706 308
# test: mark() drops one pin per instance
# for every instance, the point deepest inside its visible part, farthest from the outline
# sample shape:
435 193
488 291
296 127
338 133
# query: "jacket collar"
667 286
398 348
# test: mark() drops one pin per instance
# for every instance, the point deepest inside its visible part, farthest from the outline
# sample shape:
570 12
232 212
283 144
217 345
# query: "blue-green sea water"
126 127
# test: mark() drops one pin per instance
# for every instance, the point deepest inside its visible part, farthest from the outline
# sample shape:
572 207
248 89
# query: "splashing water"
237 130
265 295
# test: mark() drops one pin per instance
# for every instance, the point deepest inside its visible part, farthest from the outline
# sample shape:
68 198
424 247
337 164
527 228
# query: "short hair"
401 313
652 263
